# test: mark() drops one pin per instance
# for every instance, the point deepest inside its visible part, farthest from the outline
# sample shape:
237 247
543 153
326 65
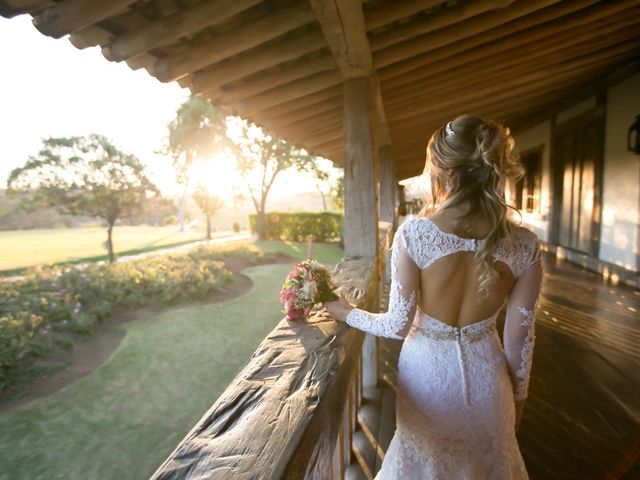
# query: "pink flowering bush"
308 283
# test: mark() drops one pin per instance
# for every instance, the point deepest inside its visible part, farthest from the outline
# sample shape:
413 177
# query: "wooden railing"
291 412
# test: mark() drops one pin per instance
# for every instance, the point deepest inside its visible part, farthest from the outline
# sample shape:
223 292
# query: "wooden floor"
582 418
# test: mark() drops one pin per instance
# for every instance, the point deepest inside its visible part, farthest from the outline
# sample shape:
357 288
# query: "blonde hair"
470 160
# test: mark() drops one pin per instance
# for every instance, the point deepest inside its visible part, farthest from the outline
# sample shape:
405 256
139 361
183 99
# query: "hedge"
295 226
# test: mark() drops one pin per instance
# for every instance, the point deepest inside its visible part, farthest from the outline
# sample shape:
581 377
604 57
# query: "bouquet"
308 283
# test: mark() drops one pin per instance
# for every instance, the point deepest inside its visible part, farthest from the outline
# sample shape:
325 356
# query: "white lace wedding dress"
455 411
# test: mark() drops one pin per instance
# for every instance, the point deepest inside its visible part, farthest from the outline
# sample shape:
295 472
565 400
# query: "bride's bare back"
449 286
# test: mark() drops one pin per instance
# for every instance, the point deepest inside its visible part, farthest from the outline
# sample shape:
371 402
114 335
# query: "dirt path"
91 352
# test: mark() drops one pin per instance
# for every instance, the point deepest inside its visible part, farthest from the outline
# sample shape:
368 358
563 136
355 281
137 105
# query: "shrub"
295 226
169 220
236 227
48 303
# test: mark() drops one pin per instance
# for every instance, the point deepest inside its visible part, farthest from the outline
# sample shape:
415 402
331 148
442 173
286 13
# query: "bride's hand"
339 309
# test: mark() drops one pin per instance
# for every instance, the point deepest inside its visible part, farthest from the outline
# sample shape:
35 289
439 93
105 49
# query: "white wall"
621 179
532 138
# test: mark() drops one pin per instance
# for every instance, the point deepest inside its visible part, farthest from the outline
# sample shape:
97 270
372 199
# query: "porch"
364 83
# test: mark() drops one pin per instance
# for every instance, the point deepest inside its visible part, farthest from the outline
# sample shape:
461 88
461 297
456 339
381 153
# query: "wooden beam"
528 43
342 23
441 19
286 74
457 32
72 15
495 106
388 184
284 93
385 13
168 30
304 113
558 50
302 102
447 95
508 38
235 41
361 203
257 59
11 8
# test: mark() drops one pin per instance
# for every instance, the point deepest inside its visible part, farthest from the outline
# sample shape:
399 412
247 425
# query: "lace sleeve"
405 278
519 327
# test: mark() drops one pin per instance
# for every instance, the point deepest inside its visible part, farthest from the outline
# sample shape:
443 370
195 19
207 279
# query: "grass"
24 248
126 417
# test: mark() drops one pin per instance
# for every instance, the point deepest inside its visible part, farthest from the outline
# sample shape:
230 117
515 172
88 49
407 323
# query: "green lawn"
25 248
122 421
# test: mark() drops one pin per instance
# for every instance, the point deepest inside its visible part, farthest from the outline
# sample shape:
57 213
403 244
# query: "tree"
337 193
83 176
327 179
208 203
198 131
260 158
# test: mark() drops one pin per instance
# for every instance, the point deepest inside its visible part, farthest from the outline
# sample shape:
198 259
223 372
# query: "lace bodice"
419 242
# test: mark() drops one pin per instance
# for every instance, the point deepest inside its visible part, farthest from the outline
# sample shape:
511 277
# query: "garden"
125 417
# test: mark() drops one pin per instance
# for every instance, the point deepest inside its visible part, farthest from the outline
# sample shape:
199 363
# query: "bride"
461 393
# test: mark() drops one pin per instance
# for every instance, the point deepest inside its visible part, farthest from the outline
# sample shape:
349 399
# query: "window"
528 188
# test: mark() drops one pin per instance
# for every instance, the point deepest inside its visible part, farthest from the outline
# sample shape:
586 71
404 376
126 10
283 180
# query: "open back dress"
457 386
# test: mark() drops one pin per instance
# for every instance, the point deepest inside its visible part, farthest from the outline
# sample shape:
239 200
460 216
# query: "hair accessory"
448 129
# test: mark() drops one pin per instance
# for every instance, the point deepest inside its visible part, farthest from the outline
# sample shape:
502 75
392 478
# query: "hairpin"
448 129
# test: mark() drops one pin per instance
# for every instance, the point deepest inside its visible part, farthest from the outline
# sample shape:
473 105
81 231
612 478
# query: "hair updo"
470 160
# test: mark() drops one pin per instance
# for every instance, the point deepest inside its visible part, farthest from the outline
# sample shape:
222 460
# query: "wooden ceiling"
281 63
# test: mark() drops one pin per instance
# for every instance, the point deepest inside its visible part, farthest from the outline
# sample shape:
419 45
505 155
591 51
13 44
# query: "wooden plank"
285 74
285 93
385 13
260 58
72 15
169 29
441 19
235 41
550 37
489 21
495 75
342 23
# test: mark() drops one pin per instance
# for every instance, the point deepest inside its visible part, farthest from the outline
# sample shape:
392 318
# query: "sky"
50 88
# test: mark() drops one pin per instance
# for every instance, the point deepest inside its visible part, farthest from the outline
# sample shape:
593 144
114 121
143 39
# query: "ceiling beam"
438 20
489 21
529 43
522 30
234 41
342 23
261 58
285 74
169 29
389 12
70 16
501 71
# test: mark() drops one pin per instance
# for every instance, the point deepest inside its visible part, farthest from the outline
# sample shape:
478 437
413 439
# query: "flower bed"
49 305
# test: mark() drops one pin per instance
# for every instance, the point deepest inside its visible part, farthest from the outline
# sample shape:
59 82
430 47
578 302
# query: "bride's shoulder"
524 244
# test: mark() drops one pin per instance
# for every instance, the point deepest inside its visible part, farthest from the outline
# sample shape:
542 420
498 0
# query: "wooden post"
387 185
361 212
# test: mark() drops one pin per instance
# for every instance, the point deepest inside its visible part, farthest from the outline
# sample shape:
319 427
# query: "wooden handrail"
281 415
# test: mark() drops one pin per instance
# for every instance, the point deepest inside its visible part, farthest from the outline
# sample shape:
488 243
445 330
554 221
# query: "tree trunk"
181 204
110 241
262 220
324 201
208 227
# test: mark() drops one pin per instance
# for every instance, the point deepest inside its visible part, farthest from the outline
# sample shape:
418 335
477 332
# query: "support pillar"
361 204
387 185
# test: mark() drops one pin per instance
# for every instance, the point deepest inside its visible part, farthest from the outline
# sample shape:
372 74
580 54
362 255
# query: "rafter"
237 40
169 29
